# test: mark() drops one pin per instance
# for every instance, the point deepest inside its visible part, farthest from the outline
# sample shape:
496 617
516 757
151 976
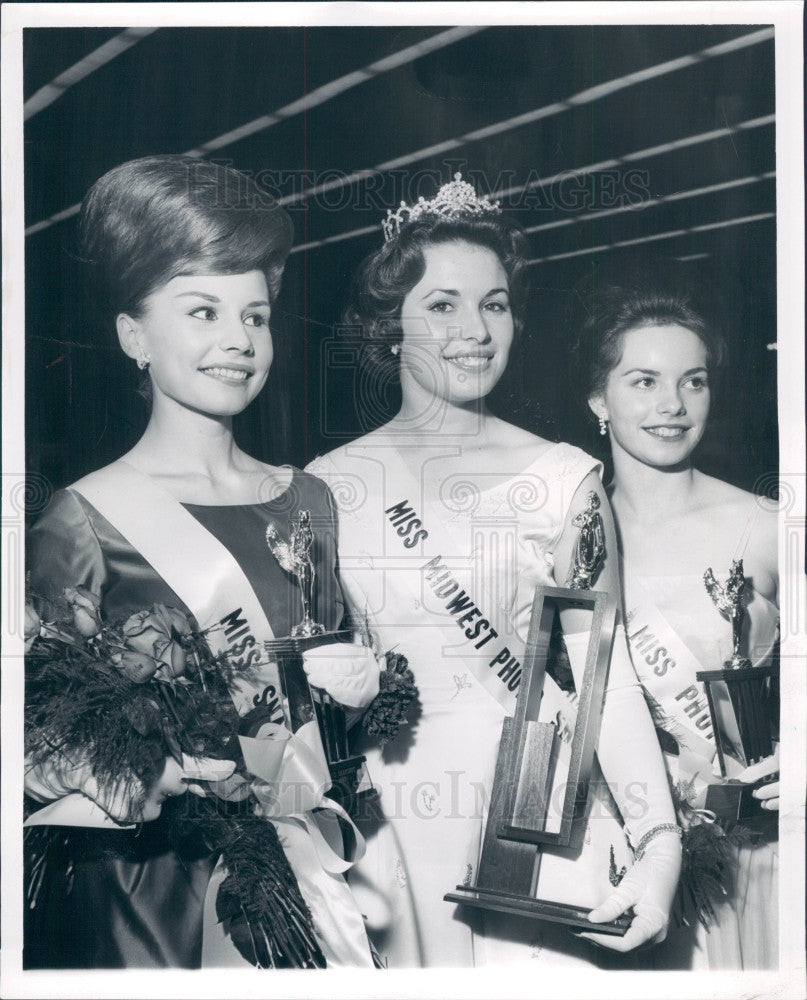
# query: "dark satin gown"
133 901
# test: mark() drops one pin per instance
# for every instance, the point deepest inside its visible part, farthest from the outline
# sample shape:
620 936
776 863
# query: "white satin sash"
291 770
494 652
373 557
667 667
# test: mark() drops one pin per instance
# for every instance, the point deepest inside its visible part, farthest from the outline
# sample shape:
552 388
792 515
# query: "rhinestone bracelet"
656 831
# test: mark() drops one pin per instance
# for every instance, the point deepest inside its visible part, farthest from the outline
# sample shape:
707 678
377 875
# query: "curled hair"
605 311
150 220
388 275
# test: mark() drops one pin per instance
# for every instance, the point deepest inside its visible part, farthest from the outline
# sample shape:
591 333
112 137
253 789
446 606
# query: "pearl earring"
395 349
603 425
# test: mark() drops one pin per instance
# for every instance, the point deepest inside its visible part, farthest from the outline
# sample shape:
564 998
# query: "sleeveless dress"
424 837
135 902
744 934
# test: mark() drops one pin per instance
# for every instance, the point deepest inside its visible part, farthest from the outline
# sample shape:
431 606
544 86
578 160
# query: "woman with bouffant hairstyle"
185 259
150 220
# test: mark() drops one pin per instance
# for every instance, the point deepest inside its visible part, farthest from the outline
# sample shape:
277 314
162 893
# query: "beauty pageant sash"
291 773
435 606
667 667
405 543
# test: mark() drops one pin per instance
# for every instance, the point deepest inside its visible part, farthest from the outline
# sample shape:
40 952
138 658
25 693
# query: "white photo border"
789 981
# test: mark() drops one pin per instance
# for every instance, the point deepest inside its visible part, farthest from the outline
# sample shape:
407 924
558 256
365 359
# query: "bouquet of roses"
117 699
122 696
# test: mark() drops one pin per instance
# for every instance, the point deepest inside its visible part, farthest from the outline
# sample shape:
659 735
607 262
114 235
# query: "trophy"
742 703
304 703
528 760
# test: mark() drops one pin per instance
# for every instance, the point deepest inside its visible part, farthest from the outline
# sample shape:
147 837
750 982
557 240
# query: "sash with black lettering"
415 579
208 579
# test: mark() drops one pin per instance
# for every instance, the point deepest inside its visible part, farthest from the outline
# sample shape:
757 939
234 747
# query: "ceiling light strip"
312 99
642 154
655 237
664 199
687 141
89 64
583 97
334 88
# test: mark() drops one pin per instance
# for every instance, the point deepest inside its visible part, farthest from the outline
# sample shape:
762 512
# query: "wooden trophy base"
538 909
733 801
744 709
505 878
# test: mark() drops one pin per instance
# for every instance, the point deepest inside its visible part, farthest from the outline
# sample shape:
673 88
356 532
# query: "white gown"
745 933
435 779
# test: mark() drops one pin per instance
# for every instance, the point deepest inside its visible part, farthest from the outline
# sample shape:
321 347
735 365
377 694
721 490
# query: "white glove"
631 762
121 800
649 887
769 792
349 673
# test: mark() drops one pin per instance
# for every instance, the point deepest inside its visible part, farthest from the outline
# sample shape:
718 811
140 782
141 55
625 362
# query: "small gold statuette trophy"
589 549
295 557
304 703
742 703
525 769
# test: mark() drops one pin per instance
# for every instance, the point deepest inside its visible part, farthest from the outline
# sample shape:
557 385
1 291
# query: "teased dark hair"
386 277
647 297
149 220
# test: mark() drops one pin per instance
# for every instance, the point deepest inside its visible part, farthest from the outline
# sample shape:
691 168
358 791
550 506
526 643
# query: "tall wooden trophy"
526 767
302 702
743 704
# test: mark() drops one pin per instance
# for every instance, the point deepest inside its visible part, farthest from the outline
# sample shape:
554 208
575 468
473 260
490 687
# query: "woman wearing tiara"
186 259
650 354
449 518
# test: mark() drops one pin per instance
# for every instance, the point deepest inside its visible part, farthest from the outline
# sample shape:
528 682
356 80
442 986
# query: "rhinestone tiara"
453 201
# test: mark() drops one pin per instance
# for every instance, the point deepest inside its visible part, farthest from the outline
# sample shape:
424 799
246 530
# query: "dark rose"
138 667
85 607
33 626
158 633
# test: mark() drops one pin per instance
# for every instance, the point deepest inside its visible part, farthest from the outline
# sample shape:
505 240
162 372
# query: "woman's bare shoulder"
516 438
716 493
377 438
752 518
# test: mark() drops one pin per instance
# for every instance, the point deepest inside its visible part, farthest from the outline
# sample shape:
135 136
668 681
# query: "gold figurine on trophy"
728 599
589 549
295 557
740 697
304 703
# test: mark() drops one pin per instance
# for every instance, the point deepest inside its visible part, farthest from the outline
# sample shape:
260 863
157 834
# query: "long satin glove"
349 673
632 764
123 801
649 888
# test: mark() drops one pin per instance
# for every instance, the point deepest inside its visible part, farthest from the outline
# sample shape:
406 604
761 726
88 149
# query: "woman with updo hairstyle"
150 220
384 279
449 518
185 259
650 357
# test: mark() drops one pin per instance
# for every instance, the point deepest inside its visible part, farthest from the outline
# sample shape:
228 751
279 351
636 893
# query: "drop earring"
143 360
395 349
603 425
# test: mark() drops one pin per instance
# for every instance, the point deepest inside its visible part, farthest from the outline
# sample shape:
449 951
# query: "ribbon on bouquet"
289 771
291 778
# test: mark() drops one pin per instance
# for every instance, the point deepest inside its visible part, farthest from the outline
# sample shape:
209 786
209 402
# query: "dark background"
176 89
